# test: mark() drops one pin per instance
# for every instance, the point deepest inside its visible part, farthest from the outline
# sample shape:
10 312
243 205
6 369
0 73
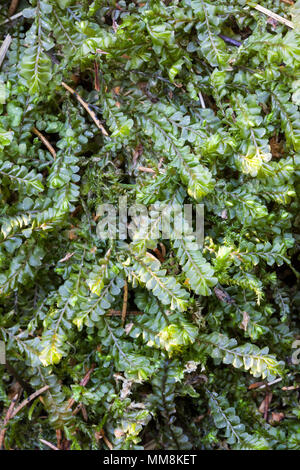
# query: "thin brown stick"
77 409
29 399
84 412
45 142
107 442
145 169
96 82
86 107
270 383
118 313
58 438
163 250
292 387
4 48
125 299
14 17
289 2
13 6
159 255
81 408
276 17
53 447
7 418
83 383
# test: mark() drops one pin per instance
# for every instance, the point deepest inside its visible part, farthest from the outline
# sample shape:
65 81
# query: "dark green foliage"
216 124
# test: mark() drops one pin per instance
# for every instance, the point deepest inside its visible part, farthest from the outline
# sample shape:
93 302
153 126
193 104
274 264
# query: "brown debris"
97 83
83 383
292 387
45 142
244 323
117 313
264 406
86 107
67 257
223 296
72 234
145 169
125 299
276 147
7 418
277 417
159 255
29 399
48 444
273 15
137 153
4 48
12 7
58 438
255 385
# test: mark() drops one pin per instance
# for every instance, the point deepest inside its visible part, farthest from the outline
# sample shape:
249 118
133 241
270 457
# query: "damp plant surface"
152 342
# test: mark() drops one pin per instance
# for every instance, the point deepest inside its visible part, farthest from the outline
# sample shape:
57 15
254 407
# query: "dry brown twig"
264 406
86 107
292 387
66 257
159 255
145 169
4 48
13 6
53 447
125 299
96 81
118 313
12 18
107 442
29 399
273 15
8 416
83 383
45 142
58 438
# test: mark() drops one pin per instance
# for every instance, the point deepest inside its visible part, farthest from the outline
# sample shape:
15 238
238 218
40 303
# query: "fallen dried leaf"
277 417
276 147
72 234
245 321
255 385
137 153
223 296
264 406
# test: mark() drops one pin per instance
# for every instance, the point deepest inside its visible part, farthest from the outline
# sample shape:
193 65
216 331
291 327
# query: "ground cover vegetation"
149 344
